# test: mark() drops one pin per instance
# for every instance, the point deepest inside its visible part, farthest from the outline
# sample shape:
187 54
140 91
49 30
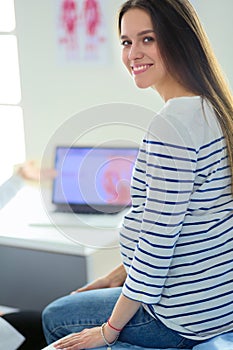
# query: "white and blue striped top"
177 241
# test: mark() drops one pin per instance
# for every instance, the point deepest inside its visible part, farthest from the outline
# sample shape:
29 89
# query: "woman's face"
140 52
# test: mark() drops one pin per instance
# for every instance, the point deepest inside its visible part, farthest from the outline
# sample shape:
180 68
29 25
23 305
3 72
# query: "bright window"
12 144
11 139
7 15
10 92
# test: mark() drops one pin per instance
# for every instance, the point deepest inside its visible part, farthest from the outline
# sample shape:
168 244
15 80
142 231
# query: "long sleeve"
9 189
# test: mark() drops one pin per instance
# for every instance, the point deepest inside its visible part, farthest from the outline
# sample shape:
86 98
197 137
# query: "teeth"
136 69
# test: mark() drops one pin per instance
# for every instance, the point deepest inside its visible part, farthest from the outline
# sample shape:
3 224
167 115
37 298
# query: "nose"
135 52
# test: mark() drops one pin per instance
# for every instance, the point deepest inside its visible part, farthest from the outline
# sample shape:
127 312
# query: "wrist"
109 336
113 327
110 333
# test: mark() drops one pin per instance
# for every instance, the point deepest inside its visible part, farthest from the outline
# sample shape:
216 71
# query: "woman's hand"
88 338
99 283
115 278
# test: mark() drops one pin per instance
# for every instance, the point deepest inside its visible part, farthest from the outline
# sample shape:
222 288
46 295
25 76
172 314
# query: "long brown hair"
188 56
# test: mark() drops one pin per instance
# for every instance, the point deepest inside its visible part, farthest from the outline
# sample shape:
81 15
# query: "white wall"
53 92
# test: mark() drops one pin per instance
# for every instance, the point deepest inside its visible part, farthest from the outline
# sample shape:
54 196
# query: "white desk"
39 264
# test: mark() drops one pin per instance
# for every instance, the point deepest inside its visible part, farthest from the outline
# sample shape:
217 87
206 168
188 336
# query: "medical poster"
82 31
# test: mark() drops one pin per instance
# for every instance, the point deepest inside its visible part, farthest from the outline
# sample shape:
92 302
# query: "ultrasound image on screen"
93 175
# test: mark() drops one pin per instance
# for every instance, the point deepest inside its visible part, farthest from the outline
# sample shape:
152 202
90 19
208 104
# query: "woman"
177 242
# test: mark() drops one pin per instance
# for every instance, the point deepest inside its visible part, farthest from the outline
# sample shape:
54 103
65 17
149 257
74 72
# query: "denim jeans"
73 313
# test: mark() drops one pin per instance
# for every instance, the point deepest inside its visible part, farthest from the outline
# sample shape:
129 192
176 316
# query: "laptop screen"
91 179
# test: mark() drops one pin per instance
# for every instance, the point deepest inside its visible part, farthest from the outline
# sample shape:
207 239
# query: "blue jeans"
73 313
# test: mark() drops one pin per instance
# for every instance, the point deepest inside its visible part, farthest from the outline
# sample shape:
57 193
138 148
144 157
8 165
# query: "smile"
140 69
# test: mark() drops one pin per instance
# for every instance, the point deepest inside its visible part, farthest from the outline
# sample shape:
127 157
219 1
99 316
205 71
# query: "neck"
173 89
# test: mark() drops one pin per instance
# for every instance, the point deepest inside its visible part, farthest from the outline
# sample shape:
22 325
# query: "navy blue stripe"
141 171
172 285
162 224
210 165
150 265
211 143
202 232
143 161
138 196
208 320
135 205
219 150
137 211
196 291
138 189
162 167
126 247
199 223
206 249
198 272
195 312
219 223
155 245
156 234
221 254
161 155
133 219
195 302
128 238
148 274
126 256
216 171
167 202
145 284
138 180
211 208
214 179
213 189
217 327
141 292
165 213
131 229
210 199
155 256
167 191
190 181
170 145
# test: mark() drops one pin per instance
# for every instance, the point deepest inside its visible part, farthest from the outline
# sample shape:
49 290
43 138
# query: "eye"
148 39
126 43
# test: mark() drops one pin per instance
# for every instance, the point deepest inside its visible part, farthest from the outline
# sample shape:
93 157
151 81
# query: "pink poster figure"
69 21
92 21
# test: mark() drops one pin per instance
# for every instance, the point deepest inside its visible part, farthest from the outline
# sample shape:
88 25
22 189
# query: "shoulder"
186 120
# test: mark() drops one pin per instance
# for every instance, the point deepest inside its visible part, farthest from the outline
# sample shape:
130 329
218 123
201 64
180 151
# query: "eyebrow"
139 34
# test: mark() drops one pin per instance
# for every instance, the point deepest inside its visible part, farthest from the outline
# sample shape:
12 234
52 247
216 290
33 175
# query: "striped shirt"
177 240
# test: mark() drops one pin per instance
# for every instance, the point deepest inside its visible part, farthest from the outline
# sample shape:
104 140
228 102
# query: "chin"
142 83
142 86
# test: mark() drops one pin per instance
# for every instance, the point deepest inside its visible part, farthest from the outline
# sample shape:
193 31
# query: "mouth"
140 68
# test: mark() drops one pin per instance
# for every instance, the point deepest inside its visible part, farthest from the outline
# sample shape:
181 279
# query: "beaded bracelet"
109 345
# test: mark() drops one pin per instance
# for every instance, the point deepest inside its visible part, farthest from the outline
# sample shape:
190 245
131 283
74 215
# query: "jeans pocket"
186 343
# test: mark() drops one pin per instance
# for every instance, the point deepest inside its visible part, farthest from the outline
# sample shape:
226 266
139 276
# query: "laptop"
92 185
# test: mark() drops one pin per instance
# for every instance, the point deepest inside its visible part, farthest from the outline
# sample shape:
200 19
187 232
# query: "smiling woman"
140 52
172 290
